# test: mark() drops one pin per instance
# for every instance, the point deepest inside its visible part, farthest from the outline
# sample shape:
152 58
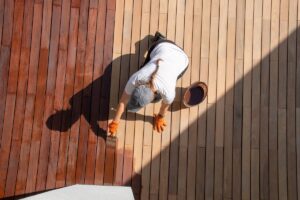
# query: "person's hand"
113 127
159 123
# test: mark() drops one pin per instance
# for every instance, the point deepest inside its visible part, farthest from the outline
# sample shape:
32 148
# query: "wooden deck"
64 65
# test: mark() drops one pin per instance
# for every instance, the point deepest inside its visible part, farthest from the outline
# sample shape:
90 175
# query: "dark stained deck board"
64 65
84 99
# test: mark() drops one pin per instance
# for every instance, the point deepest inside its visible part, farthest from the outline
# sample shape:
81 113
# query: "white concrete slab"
86 192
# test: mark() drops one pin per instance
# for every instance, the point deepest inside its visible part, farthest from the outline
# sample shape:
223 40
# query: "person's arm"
122 105
113 126
163 109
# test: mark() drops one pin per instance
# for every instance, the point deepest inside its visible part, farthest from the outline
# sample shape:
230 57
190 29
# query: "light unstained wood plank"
174 127
156 137
138 124
202 129
218 184
220 95
283 34
282 153
202 114
124 75
274 145
129 140
189 47
205 29
246 154
200 173
117 50
181 18
298 142
221 73
238 98
146 149
229 87
268 172
165 138
130 124
155 161
237 129
256 75
273 111
298 103
145 194
171 20
211 98
291 101
118 26
174 150
254 172
114 155
210 152
255 104
240 23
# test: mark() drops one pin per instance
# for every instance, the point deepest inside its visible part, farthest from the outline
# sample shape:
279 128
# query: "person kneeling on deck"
165 63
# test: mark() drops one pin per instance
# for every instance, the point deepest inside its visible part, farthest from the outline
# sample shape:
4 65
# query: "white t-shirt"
174 61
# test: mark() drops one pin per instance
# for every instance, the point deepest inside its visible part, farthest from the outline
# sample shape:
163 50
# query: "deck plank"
98 73
271 176
61 56
256 93
230 67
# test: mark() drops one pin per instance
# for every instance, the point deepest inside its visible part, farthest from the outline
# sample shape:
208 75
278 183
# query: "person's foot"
158 36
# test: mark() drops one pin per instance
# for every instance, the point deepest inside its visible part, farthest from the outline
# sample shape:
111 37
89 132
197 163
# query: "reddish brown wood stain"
47 57
56 81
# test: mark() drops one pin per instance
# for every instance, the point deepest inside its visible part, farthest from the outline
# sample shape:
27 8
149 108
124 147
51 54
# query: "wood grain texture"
64 65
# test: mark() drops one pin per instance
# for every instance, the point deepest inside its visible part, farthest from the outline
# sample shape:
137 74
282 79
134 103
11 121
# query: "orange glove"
113 127
159 123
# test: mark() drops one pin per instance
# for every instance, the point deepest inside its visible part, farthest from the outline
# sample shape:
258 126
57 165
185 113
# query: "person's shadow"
93 101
